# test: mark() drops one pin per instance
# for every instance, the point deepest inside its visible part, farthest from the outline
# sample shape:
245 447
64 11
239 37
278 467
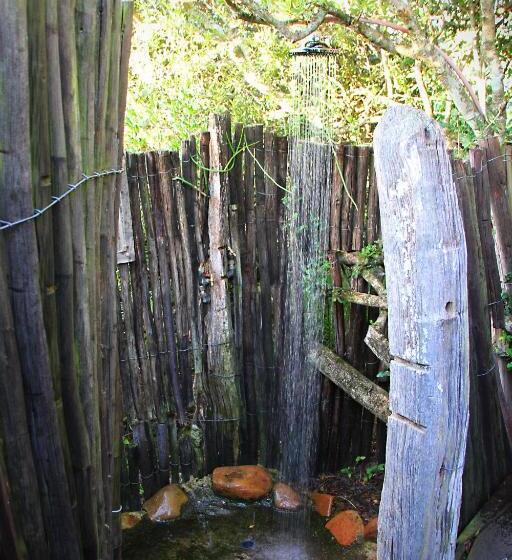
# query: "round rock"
166 503
247 482
285 497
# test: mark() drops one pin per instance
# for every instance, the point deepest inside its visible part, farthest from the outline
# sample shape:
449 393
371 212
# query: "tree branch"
353 382
492 61
425 99
420 46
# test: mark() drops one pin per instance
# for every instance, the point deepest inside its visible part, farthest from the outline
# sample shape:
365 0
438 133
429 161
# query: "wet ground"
241 532
214 528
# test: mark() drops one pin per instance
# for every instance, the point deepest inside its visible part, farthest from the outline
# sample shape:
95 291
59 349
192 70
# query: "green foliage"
383 374
193 57
347 471
370 255
506 340
367 474
372 470
317 276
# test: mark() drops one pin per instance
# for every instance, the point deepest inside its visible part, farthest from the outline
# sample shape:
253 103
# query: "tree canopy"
192 57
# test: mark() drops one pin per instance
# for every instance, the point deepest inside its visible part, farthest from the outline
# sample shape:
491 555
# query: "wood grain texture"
223 376
352 381
426 266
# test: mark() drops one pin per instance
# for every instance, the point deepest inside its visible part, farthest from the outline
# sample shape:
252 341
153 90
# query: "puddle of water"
255 532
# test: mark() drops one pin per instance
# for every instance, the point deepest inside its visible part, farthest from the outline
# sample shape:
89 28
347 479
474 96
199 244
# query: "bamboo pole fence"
63 75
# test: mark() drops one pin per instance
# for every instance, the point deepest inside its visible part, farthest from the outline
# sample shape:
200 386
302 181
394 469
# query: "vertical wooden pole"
222 374
426 266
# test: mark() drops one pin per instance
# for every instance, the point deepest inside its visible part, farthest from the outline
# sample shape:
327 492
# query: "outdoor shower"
307 235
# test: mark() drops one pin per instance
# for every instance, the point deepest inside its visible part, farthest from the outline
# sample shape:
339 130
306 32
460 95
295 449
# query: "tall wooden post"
426 268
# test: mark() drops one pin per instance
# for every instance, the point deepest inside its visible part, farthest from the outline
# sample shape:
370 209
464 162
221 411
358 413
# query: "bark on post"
425 259
223 433
357 385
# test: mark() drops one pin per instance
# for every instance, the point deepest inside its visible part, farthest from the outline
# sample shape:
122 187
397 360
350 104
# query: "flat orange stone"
166 503
370 529
247 482
347 527
322 503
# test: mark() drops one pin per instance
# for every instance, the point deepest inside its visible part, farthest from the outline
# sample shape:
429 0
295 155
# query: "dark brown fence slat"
248 263
332 396
487 459
483 209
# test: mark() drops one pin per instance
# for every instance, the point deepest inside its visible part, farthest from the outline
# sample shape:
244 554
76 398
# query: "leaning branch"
353 382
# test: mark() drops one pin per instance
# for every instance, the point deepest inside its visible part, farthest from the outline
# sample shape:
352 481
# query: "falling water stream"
307 235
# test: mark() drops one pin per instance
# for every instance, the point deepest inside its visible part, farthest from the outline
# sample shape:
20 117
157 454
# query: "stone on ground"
347 527
370 529
131 518
247 482
322 503
285 497
166 503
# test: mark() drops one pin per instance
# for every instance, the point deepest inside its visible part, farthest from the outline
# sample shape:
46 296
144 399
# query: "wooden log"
278 293
264 356
494 181
161 285
378 344
501 206
425 259
12 545
361 298
87 44
163 450
372 358
223 424
146 458
129 361
147 381
156 251
352 229
78 390
352 381
201 207
169 171
237 244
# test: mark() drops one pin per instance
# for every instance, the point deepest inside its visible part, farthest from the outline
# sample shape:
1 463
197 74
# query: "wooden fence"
201 304
200 346
63 82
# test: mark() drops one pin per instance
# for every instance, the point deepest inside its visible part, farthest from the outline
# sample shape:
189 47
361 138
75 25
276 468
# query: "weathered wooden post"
425 260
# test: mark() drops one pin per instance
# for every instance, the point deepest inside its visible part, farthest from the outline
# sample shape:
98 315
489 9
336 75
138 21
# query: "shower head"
314 47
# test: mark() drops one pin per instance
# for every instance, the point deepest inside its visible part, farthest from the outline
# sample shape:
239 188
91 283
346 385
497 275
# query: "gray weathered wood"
125 247
426 268
223 428
358 386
